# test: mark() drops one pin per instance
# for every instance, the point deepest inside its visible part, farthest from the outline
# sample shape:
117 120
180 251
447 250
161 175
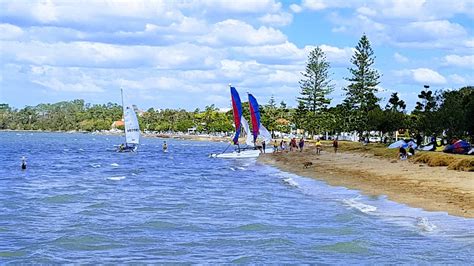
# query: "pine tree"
360 94
316 85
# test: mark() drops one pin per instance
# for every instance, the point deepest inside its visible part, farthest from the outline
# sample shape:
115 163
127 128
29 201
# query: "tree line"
447 113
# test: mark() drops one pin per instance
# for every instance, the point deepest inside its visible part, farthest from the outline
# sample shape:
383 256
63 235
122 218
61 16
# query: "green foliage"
360 94
315 86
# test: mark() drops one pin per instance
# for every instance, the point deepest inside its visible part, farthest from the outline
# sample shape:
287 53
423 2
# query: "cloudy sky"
183 54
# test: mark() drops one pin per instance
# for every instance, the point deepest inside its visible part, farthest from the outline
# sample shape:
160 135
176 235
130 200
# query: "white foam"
232 169
81 149
65 149
291 182
114 164
362 207
116 178
240 168
95 165
424 224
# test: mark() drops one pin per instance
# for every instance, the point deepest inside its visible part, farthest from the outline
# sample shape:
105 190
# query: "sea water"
79 201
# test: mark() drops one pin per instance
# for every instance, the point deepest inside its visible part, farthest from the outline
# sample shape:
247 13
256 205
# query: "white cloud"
460 61
427 76
238 33
281 19
337 56
400 58
81 87
10 32
296 8
457 79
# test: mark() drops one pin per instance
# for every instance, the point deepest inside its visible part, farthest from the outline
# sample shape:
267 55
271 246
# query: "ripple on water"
12 254
60 199
86 243
160 225
253 227
349 247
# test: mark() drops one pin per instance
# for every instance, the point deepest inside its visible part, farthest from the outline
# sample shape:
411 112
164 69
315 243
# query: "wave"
291 182
362 207
95 165
116 178
424 224
114 164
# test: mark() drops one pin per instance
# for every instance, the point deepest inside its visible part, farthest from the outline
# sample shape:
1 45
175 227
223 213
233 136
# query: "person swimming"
23 163
165 146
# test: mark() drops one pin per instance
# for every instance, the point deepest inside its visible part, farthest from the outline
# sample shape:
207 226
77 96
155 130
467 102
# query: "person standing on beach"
263 145
335 144
275 146
318 146
301 144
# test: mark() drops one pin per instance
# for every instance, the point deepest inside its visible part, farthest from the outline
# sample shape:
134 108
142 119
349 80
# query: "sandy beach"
414 184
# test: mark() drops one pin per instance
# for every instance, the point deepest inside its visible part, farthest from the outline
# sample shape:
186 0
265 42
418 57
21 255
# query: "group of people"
294 145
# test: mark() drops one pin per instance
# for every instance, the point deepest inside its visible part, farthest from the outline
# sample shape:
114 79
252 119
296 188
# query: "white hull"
241 154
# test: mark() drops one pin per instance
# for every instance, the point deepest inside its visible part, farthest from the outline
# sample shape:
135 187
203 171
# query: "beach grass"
452 161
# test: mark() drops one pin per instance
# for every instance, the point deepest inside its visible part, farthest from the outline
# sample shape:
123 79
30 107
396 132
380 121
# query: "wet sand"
417 185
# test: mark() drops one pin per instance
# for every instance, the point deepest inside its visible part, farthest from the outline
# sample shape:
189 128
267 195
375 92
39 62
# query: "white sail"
132 130
265 135
249 136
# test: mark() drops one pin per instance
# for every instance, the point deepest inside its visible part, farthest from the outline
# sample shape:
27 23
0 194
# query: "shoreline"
413 184
144 135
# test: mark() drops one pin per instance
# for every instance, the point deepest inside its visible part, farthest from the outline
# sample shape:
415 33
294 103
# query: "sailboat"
132 129
249 150
259 132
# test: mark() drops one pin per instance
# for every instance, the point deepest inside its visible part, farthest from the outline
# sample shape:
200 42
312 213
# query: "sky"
184 54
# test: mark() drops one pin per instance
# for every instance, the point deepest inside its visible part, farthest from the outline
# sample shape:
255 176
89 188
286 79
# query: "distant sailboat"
132 129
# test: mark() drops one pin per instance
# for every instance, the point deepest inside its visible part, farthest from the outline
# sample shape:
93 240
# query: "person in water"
165 146
23 163
318 146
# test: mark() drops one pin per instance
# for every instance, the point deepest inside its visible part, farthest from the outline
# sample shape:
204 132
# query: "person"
121 147
165 146
301 144
275 146
335 144
402 153
23 163
318 146
281 145
411 151
263 145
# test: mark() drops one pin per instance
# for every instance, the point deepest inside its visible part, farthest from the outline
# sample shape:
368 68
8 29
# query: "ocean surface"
81 202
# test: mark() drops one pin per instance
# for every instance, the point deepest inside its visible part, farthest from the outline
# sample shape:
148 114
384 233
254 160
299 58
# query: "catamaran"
250 149
132 129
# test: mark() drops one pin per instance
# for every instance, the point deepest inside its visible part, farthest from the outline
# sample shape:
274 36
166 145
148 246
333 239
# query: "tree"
395 104
315 87
360 94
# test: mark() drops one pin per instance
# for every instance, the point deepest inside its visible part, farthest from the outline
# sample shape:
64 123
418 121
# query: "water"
80 202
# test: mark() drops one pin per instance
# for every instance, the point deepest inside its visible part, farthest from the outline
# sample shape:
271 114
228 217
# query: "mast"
123 116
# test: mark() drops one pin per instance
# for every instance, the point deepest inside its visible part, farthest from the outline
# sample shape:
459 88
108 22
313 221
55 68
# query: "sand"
417 185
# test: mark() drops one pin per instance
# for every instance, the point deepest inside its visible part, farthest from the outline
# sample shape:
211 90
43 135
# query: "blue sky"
183 54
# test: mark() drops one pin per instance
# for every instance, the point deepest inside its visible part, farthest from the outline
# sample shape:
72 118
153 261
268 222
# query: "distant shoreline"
200 137
414 184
